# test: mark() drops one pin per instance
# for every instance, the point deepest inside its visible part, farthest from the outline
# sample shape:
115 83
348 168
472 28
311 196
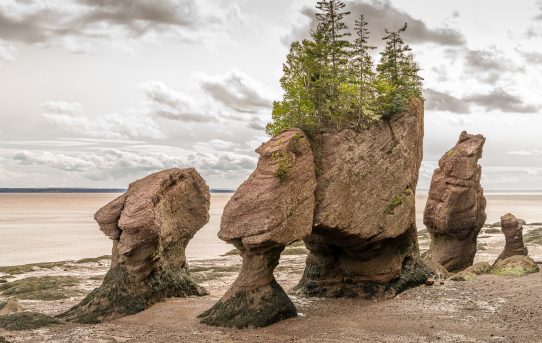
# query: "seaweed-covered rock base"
121 294
255 299
378 271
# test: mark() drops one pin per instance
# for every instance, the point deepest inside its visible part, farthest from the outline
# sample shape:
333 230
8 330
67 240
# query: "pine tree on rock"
397 79
332 33
362 68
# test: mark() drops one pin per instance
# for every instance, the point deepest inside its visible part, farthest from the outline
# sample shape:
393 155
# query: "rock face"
513 232
150 226
455 209
270 210
363 241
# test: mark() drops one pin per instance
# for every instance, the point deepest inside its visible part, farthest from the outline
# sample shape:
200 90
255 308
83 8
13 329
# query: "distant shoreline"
83 190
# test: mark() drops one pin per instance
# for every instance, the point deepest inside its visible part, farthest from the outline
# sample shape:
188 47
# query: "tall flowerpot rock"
270 210
455 209
150 225
363 242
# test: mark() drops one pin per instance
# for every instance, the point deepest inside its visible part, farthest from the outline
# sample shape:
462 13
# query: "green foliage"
284 164
329 80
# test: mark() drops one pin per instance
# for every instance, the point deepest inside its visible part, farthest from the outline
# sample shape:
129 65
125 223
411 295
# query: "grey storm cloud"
489 65
501 100
439 101
382 15
54 21
237 91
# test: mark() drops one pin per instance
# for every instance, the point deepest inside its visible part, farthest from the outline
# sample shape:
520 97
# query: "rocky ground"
488 309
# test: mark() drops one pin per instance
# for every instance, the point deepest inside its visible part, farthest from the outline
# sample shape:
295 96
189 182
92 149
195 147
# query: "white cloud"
237 91
170 104
107 163
7 51
526 152
126 124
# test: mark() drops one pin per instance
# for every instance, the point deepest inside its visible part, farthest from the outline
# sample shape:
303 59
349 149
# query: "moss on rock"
26 321
517 265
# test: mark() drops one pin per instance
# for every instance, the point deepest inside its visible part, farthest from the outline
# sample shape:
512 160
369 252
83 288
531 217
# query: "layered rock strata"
270 210
363 242
455 209
150 226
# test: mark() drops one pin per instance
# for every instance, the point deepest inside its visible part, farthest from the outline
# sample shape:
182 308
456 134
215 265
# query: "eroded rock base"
454 253
120 294
255 299
377 270
254 308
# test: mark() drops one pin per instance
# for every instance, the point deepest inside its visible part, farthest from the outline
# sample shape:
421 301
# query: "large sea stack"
270 210
150 226
455 209
363 241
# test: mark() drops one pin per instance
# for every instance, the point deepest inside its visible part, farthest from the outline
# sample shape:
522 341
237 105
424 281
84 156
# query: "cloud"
173 105
117 163
80 24
533 57
127 124
440 101
383 15
491 64
237 91
57 161
525 152
7 51
500 100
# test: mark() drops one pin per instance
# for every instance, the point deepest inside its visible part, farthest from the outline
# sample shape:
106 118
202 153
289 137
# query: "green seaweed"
26 321
27 268
120 294
255 308
41 288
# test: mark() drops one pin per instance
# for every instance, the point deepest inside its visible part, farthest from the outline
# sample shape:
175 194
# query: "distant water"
59 226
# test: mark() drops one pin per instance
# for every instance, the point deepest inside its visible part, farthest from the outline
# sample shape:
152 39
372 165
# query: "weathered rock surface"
150 226
363 241
270 210
517 265
513 232
455 209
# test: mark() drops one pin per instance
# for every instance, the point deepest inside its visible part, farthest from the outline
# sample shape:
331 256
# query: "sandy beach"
55 227
488 309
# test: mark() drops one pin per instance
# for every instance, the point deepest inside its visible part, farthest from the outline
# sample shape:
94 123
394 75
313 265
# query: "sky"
99 93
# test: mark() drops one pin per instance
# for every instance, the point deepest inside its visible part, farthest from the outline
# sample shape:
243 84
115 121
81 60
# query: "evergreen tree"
298 106
362 67
397 80
331 39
